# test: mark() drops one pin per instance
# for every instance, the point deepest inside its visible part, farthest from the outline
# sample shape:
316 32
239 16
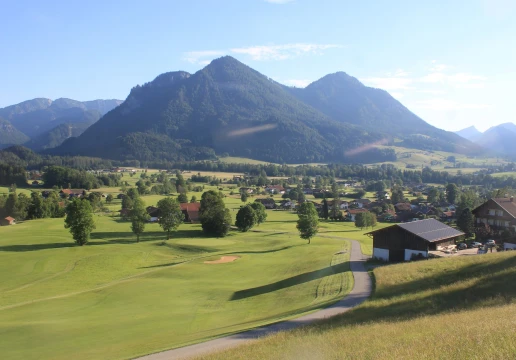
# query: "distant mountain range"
41 123
500 139
227 107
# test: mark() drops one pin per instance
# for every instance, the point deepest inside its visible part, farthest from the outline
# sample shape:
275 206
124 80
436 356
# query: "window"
490 221
506 224
491 212
499 212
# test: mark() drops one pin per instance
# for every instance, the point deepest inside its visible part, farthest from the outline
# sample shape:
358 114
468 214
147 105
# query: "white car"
490 242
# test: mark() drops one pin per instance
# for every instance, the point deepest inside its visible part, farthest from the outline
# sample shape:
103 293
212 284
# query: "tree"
244 196
325 210
433 195
139 218
308 221
365 220
397 195
38 208
79 219
171 215
246 218
182 198
180 183
193 199
109 198
452 193
215 218
259 211
335 208
466 222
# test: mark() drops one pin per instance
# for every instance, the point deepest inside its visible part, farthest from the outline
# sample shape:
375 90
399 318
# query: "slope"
9 135
500 138
471 133
460 305
226 107
344 98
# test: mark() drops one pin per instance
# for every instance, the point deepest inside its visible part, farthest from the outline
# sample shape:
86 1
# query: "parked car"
482 250
462 246
475 244
490 242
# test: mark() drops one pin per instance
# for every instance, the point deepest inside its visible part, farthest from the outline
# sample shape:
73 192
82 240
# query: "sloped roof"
190 206
506 204
430 229
9 218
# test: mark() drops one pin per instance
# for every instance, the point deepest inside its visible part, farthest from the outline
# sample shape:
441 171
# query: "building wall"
381 254
408 253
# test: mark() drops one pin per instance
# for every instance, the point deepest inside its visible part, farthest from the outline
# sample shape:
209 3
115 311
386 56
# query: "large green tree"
466 222
259 211
171 215
452 193
79 219
397 195
139 218
246 218
308 221
215 218
38 208
325 213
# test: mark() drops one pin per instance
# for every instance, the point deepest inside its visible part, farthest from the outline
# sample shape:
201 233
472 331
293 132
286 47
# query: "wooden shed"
7 221
401 242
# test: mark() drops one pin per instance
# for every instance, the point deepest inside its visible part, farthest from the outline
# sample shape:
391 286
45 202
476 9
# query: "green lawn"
455 308
117 299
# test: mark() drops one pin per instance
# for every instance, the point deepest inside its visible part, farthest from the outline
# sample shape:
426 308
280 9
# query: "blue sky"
451 62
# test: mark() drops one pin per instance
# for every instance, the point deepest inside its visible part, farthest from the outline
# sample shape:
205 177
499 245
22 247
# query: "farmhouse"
154 213
72 193
269 203
499 214
415 239
7 221
275 189
191 212
352 213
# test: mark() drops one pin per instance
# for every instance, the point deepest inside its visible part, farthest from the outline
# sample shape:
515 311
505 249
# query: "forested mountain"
345 99
471 133
227 107
37 116
57 135
9 135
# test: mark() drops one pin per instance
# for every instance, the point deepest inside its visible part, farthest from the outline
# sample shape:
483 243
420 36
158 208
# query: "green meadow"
115 299
454 308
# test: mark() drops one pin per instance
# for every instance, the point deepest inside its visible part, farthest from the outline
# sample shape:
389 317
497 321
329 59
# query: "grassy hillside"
456 308
115 299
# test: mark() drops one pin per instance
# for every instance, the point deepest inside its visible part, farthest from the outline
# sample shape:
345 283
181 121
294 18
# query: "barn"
401 242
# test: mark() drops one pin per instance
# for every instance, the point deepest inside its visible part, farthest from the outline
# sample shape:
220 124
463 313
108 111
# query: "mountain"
227 107
345 99
471 133
500 138
35 117
9 135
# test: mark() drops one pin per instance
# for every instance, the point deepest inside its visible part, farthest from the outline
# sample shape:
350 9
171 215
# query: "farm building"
403 241
7 221
499 214
269 203
191 212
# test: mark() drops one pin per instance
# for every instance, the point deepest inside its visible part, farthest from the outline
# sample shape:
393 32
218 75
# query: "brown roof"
403 207
9 218
190 206
507 205
356 211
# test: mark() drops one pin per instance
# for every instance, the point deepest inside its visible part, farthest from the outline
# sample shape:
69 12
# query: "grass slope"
455 308
115 299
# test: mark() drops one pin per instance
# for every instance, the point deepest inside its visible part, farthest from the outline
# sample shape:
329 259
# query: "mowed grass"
117 299
455 308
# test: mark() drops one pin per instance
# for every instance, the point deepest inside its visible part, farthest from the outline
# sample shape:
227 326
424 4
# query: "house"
72 193
343 204
269 203
7 221
154 213
191 212
275 189
246 190
499 214
403 242
362 203
308 191
352 213
288 204
448 215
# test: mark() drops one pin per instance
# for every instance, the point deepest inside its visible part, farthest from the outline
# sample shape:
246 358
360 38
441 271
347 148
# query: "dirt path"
361 291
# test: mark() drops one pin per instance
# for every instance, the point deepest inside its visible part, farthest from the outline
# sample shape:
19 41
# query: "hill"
9 135
471 133
37 116
500 138
57 135
455 308
227 107
345 99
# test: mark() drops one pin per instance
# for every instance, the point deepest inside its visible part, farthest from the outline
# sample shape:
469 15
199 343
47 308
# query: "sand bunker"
222 260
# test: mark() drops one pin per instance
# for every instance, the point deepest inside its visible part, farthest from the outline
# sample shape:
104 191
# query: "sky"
453 62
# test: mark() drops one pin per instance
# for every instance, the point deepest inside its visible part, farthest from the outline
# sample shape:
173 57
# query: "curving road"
361 291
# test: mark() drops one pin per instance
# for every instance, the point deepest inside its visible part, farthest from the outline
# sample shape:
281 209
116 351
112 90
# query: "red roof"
190 206
9 218
356 211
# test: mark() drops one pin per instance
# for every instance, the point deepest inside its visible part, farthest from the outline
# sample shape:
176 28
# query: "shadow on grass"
291 281
36 247
129 237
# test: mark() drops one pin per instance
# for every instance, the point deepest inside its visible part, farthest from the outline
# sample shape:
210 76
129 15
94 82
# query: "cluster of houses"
189 210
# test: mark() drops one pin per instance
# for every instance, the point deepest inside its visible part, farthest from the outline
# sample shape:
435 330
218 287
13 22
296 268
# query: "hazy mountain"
471 133
500 138
9 135
34 117
227 107
345 99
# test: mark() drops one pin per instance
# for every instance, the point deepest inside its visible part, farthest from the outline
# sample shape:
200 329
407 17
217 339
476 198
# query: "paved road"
361 291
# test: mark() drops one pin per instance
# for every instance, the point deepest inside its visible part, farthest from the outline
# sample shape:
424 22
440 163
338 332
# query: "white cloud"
278 1
300 83
199 57
441 104
282 52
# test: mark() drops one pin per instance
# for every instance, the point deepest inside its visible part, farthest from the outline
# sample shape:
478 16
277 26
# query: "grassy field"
116 299
455 308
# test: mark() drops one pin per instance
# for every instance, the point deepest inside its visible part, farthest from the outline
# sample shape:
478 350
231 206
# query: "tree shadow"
129 237
36 247
291 281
